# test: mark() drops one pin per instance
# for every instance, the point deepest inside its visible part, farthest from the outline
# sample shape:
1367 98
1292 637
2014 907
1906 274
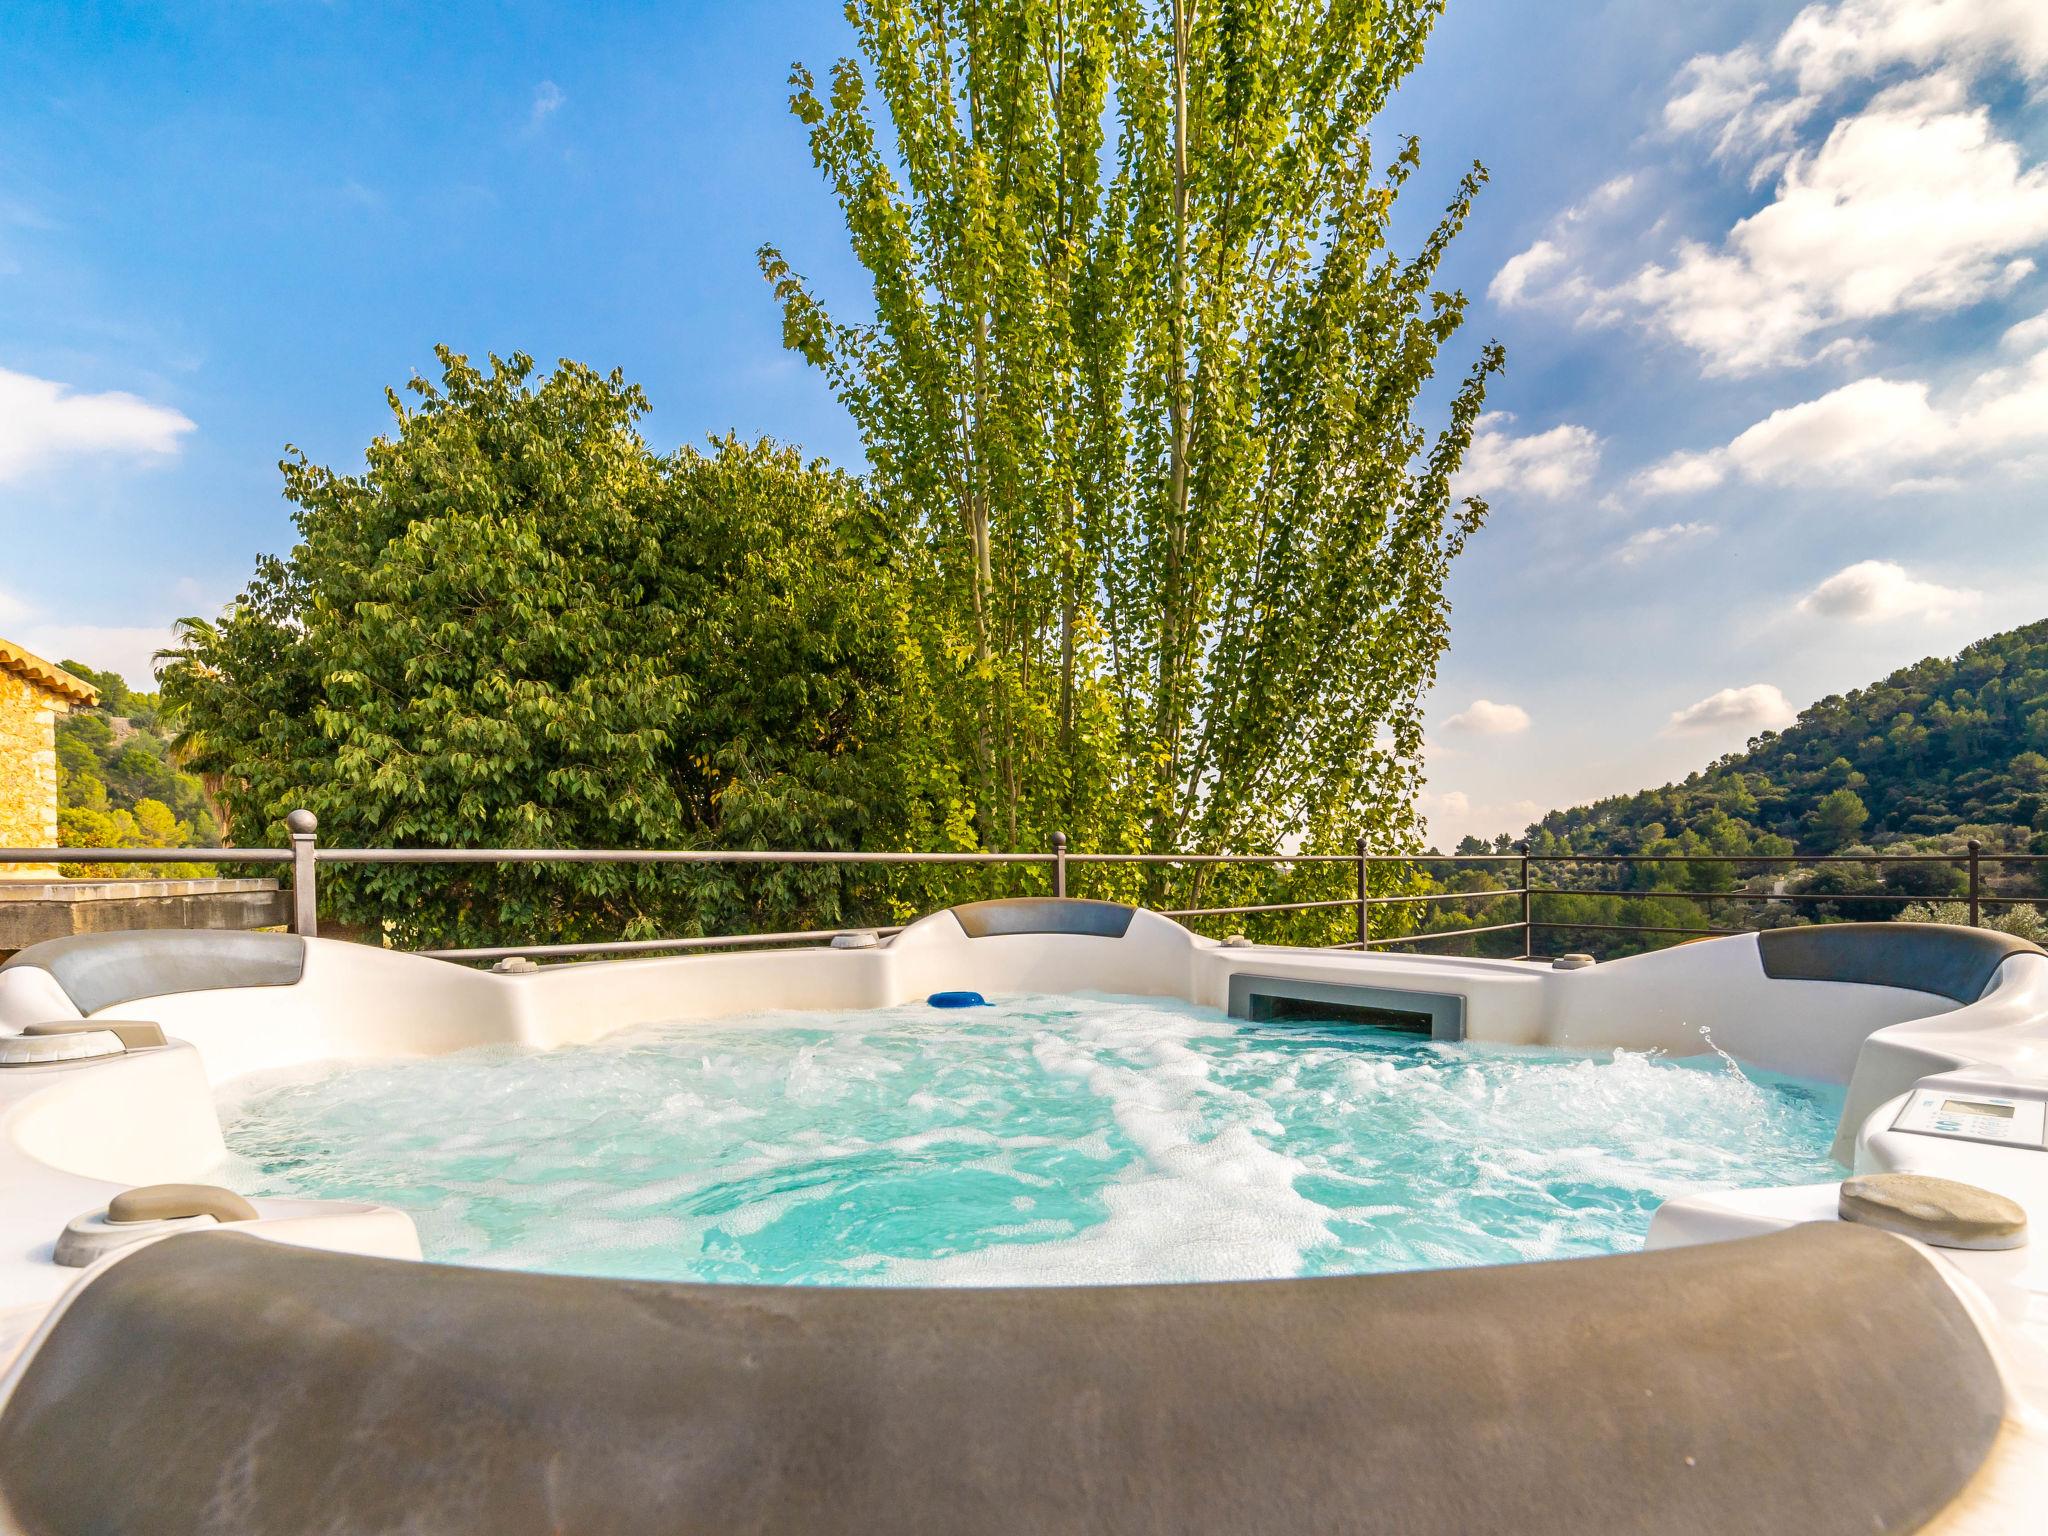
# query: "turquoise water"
1045 1140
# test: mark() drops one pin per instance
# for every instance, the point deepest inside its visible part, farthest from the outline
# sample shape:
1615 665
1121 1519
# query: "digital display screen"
1976 1107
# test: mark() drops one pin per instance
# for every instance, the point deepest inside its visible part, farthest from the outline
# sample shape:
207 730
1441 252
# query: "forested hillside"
117 785
1936 755
1937 747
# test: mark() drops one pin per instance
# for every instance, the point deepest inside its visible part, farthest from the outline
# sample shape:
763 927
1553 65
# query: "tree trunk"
1172 663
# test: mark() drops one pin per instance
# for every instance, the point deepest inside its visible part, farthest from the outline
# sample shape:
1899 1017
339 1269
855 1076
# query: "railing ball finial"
302 822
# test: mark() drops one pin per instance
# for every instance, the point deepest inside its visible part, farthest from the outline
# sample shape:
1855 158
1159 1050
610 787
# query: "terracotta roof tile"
46 673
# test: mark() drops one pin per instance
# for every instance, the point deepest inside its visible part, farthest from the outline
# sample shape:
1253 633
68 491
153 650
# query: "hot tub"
1760 1364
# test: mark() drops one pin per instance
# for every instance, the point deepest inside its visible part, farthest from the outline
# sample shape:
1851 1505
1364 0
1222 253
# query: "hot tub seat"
1819 1380
1941 958
1043 914
104 970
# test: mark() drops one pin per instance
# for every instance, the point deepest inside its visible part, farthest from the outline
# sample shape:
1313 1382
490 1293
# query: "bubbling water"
1044 1140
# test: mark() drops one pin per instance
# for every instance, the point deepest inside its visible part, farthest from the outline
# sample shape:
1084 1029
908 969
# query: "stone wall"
28 771
34 910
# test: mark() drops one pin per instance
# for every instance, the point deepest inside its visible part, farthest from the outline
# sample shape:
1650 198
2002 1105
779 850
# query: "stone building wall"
28 771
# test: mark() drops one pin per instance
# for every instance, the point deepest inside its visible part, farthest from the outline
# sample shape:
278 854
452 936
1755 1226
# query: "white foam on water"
1042 1141
1205 1198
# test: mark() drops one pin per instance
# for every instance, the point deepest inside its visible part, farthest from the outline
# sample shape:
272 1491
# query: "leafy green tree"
518 627
117 786
1142 376
1838 817
1931 881
90 822
2027 923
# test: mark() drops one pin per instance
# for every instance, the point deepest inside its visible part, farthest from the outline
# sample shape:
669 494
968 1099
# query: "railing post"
1059 864
1528 906
1364 896
305 895
1976 891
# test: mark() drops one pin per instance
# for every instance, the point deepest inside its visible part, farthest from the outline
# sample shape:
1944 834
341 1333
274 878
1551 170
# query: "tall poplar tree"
1143 374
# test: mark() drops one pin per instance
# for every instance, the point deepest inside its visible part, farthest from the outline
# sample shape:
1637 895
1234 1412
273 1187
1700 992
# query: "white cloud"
1538 275
1681 474
1717 89
1827 46
1738 97
1874 590
1638 547
1851 433
1609 192
1452 814
1511 284
1549 464
1483 717
42 422
1757 707
2028 336
1726 92
1886 435
1915 204
547 101
1912 203
1844 350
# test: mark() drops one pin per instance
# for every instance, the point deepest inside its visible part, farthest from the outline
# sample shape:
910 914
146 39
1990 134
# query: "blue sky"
1775 420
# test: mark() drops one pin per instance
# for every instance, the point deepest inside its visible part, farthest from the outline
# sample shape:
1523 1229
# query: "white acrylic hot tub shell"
73 1135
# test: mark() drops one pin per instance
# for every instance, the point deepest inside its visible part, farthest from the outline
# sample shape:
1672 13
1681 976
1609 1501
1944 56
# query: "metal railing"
305 856
1970 861
1975 895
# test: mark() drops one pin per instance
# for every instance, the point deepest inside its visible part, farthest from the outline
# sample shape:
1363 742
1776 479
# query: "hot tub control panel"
1967 1115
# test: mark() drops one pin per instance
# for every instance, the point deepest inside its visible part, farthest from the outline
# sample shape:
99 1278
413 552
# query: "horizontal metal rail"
782 856
1270 906
1343 901
1814 896
656 856
1563 890
809 937
145 856
1429 896
1221 858
1639 928
1436 933
1784 858
1295 858
1570 858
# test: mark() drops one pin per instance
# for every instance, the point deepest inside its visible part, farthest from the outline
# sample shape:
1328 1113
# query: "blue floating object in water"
957 1000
